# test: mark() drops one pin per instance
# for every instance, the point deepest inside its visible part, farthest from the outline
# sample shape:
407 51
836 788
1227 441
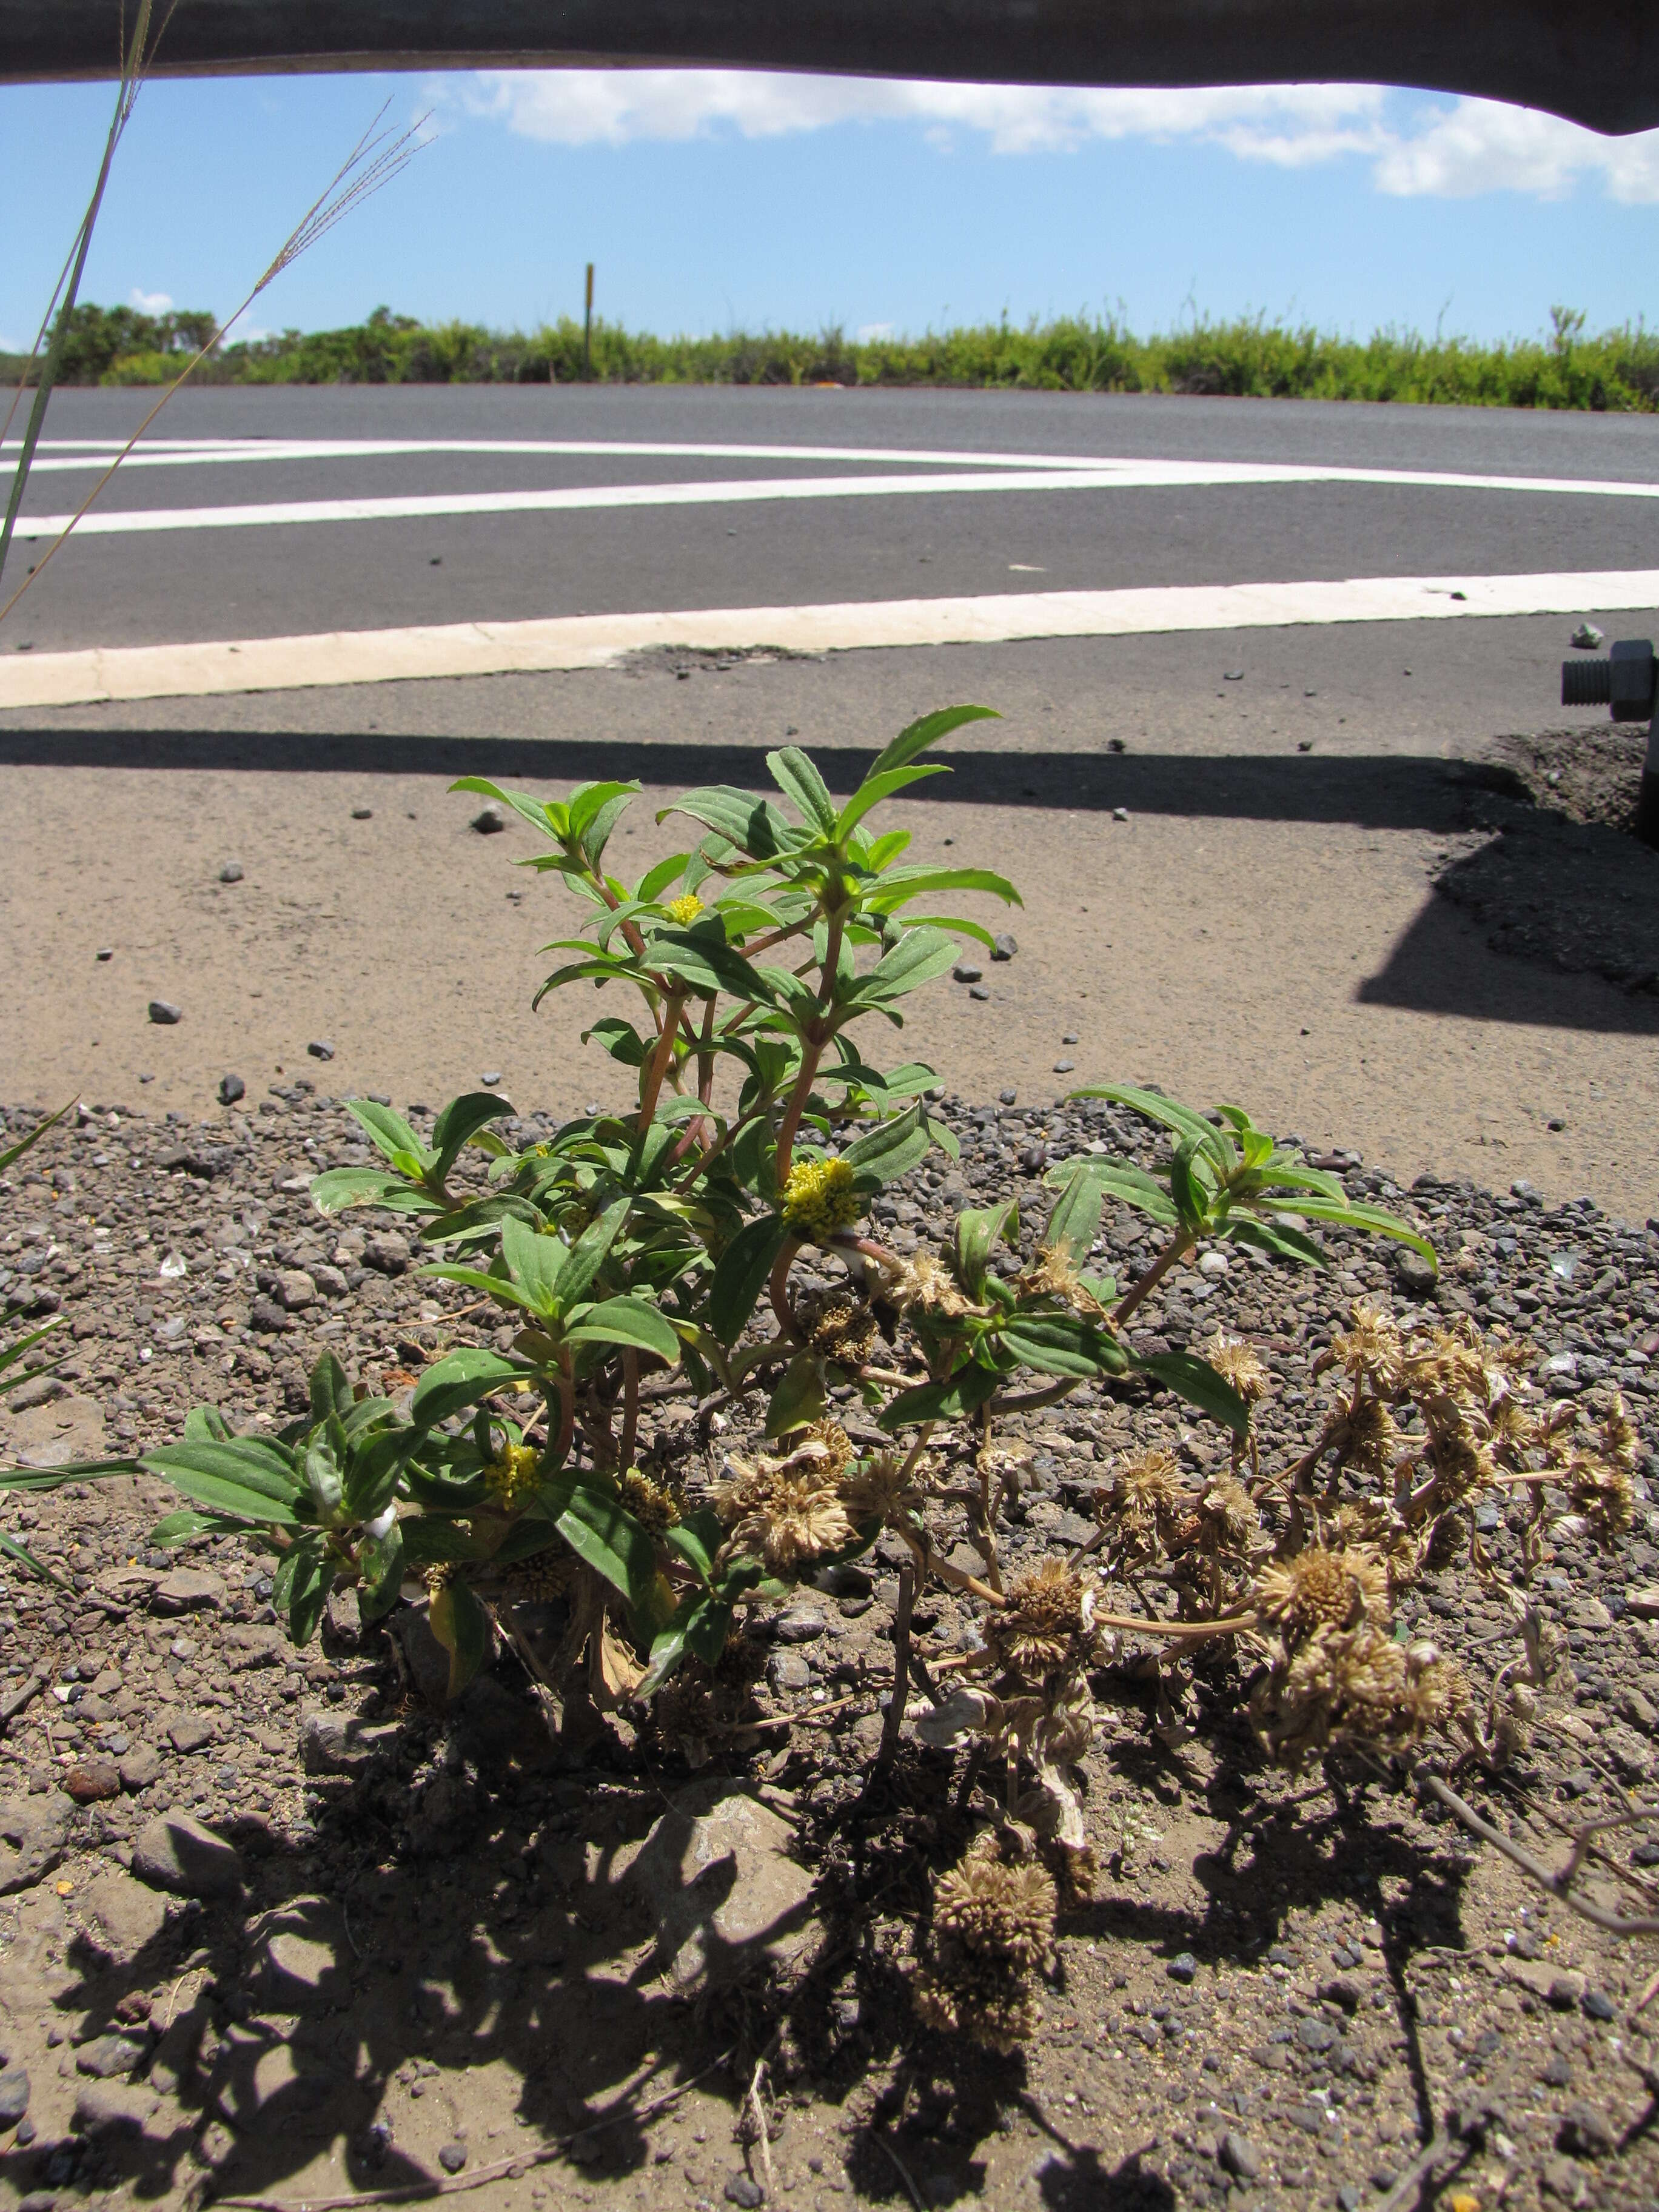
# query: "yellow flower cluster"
512 1480
819 1198
685 910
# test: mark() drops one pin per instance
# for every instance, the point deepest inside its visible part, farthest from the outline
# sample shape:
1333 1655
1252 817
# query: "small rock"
1640 1711
14 2096
386 1251
95 1778
1587 638
1004 945
33 1834
320 1048
1566 1991
231 872
1557 2072
1183 1967
798 1624
489 821
490 1077
743 2189
966 971
1643 1603
1064 1066
1347 1994
124 1916
978 991
164 1013
723 1887
231 1088
1585 2133
787 1670
176 1852
362 813
110 2056
140 1767
333 1743
1415 1275
295 1289
113 2108
1314 2034
1598 2005
1239 2156
187 1590
105 952
452 2156
193 1732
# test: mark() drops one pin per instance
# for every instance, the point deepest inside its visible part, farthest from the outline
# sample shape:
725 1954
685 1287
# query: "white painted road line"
218 452
1111 476
457 649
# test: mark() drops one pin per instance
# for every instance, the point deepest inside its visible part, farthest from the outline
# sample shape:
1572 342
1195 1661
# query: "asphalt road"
198 579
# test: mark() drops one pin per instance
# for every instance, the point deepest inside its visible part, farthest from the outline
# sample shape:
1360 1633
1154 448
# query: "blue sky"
714 199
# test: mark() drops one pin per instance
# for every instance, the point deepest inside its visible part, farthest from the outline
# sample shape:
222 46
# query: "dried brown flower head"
1603 1491
931 1287
1366 1438
1006 1911
1371 1348
1319 1589
542 1577
1053 1275
1228 1515
785 1510
1236 1363
1047 1625
872 1488
979 1998
841 1326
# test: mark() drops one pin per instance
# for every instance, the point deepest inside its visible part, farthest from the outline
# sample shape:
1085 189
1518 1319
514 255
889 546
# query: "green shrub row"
1246 358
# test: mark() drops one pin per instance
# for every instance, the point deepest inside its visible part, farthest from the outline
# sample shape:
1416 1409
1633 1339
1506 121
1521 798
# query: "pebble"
452 2156
1587 638
978 991
489 820
798 1624
109 2057
386 1251
320 1048
1415 1275
231 872
164 1013
105 952
1183 1967
787 1670
1004 945
175 1851
1314 2034
1064 1066
362 813
1120 814
1584 2133
490 1077
93 1779
1598 2005
231 1088
14 2096
743 2189
967 971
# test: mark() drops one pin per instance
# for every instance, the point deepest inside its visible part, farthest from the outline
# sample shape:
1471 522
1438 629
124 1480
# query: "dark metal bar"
1598 64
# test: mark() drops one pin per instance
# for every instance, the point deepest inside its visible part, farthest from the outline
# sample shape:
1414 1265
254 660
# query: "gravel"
1351 1969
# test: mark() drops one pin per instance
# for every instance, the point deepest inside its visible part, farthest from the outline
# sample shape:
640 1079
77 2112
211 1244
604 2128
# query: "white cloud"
1416 146
150 303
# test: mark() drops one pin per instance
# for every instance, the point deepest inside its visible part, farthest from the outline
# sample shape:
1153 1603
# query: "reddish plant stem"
657 1066
778 1288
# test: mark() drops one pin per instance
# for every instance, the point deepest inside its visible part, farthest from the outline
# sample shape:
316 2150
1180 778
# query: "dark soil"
1550 868
436 1959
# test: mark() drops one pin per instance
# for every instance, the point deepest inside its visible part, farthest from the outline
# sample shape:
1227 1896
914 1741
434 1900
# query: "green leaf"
917 958
797 779
655 881
620 1039
450 1385
206 1425
753 825
1374 1218
600 1531
1133 1186
890 1149
1169 1114
329 1391
187 1523
587 1254
336 1189
1062 1344
966 1391
1075 1222
922 735
625 1321
538 816
389 1131
1197 1381
461 1119
900 885
1273 1237
247 1478
975 1235
26 1143
536 1264
701 957
1191 1200
495 1287
309 1584
381 1564
740 1274
870 792
462 1626
706 1629
798 1396
590 800
697 1539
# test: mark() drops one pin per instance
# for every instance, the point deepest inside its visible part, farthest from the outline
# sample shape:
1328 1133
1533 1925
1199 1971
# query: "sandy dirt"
1263 925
